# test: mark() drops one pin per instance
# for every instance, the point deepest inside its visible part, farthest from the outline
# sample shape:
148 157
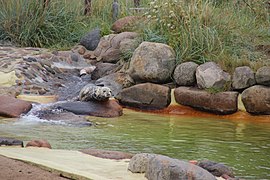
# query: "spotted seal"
97 93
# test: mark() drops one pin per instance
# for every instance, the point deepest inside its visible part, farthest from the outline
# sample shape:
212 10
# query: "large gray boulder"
90 41
146 96
165 168
152 62
263 76
218 103
116 82
210 75
184 74
243 77
108 49
256 99
103 69
138 163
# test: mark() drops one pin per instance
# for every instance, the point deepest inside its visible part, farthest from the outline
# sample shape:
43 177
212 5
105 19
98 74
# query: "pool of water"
241 144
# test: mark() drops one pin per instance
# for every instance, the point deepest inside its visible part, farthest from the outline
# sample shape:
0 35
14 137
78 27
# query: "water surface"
241 144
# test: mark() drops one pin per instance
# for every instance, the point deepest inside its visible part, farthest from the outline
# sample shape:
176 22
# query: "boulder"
10 142
125 23
165 168
107 154
108 49
12 107
90 40
93 108
116 82
127 47
146 96
103 69
218 103
263 76
184 74
210 75
152 62
138 163
243 77
217 169
39 143
256 99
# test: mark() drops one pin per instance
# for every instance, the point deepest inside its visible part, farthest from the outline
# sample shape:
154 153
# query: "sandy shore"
11 169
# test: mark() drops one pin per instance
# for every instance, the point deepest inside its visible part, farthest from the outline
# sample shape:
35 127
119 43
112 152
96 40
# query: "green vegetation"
230 32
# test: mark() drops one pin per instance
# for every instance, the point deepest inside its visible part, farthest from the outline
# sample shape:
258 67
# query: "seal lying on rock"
97 93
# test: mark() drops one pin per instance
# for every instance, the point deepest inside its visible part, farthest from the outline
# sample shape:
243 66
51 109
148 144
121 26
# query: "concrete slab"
73 164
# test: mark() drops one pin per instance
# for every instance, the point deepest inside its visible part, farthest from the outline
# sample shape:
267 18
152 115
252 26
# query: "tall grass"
26 23
211 30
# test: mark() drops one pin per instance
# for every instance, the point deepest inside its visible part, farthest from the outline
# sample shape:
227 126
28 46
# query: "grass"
232 33
223 31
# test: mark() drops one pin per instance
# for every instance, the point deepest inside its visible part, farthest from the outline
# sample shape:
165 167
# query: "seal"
91 92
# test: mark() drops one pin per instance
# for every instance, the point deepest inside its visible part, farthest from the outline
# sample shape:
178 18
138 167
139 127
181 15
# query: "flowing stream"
241 144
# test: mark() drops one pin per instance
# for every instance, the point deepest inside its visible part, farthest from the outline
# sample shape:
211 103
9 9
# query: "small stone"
39 143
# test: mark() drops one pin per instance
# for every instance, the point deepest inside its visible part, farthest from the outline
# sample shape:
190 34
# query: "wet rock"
165 168
138 163
63 117
90 41
93 108
256 99
108 47
116 82
219 103
12 107
145 96
184 74
263 76
125 23
103 69
217 169
39 143
10 142
152 62
243 77
210 75
107 154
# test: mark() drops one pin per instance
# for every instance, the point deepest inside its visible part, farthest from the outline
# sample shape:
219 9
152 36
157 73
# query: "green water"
243 145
